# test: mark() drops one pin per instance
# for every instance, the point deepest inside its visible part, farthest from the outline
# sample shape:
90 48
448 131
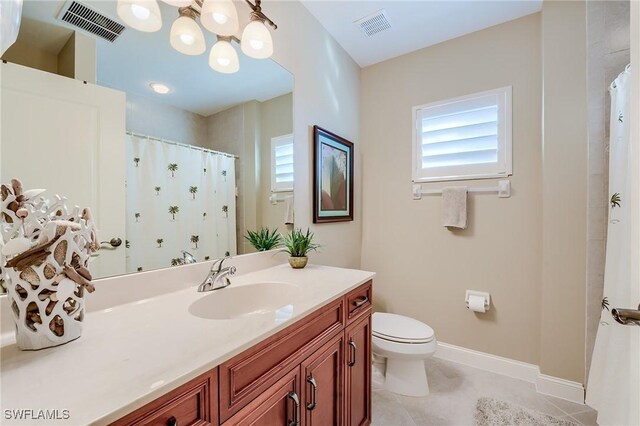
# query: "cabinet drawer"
247 375
358 301
194 403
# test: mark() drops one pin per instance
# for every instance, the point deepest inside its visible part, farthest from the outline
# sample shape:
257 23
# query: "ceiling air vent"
87 19
374 23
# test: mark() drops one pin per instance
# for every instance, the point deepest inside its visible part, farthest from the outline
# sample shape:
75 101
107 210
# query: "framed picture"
333 177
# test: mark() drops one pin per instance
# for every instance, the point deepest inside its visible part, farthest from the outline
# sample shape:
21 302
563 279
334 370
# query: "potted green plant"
264 239
298 245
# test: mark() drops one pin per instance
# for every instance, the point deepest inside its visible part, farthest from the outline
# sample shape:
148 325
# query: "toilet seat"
400 329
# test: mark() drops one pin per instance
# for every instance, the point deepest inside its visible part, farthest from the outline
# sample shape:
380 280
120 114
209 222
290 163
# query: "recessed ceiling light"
160 88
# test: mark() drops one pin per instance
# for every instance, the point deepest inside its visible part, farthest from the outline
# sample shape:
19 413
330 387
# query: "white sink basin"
267 298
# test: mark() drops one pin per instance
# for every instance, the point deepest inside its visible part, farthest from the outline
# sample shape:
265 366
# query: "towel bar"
275 199
503 189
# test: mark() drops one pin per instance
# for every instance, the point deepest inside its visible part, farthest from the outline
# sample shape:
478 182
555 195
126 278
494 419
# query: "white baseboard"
548 385
560 388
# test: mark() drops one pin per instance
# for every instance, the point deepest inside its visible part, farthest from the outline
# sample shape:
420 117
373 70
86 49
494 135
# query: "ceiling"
136 59
414 24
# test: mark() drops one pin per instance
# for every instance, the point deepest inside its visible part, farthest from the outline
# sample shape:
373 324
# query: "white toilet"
406 343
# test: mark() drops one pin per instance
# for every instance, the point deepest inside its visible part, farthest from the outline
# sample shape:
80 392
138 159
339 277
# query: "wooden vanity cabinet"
315 372
193 404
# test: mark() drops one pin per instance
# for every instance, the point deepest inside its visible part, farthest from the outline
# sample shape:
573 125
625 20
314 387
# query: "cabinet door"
358 361
279 405
323 385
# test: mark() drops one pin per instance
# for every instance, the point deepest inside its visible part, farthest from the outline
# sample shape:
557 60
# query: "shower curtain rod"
199 148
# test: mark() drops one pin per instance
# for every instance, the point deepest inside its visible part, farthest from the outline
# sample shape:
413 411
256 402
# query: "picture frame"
332 177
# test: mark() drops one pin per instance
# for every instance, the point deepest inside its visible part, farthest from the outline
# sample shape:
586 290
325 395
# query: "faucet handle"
232 270
217 264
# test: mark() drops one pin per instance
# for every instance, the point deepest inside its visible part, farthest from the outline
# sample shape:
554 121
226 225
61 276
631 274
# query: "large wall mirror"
176 160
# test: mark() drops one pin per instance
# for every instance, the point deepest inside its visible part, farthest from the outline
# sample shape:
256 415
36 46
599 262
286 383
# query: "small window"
463 138
282 163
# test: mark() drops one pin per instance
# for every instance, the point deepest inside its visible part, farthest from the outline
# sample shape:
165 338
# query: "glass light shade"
187 37
220 17
142 15
256 40
224 58
178 3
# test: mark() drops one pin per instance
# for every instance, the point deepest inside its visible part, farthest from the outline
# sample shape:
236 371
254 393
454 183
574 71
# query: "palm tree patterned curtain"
178 198
609 382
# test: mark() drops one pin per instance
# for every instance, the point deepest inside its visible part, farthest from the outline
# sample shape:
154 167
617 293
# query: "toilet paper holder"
483 294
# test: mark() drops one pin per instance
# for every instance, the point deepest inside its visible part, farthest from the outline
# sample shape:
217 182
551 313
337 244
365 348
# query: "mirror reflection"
176 160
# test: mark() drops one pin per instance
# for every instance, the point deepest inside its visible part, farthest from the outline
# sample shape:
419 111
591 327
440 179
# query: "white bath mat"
493 412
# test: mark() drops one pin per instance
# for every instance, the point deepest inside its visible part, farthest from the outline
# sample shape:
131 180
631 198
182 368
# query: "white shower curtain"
609 382
178 198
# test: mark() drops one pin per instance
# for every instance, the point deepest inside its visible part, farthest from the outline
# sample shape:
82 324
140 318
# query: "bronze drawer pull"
294 396
172 421
357 303
313 384
352 361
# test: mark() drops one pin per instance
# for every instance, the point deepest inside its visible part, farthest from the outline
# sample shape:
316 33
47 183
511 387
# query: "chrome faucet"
218 276
188 258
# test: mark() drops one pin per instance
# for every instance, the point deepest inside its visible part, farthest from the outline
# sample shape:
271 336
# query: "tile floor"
455 388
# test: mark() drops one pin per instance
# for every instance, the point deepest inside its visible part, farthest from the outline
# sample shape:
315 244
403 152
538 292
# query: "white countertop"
133 353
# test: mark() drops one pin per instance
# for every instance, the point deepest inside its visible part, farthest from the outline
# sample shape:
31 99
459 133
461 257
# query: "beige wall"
564 190
225 132
67 58
85 65
528 251
423 268
276 119
152 118
31 56
75 59
326 93
246 131
248 172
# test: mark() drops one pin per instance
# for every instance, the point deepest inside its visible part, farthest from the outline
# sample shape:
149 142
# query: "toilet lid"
398 328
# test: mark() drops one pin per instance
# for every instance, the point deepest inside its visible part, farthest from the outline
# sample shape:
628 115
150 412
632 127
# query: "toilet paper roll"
476 303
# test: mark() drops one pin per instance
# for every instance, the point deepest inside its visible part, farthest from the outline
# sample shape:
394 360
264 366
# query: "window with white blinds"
463 138
282 163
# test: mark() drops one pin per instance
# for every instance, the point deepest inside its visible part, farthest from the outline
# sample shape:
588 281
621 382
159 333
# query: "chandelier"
217 16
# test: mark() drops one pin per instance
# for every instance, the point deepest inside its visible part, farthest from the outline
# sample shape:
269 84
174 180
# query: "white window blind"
282 163
463 138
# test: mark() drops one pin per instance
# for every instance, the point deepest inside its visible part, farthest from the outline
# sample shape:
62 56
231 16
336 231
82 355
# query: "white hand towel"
454 207
288 210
